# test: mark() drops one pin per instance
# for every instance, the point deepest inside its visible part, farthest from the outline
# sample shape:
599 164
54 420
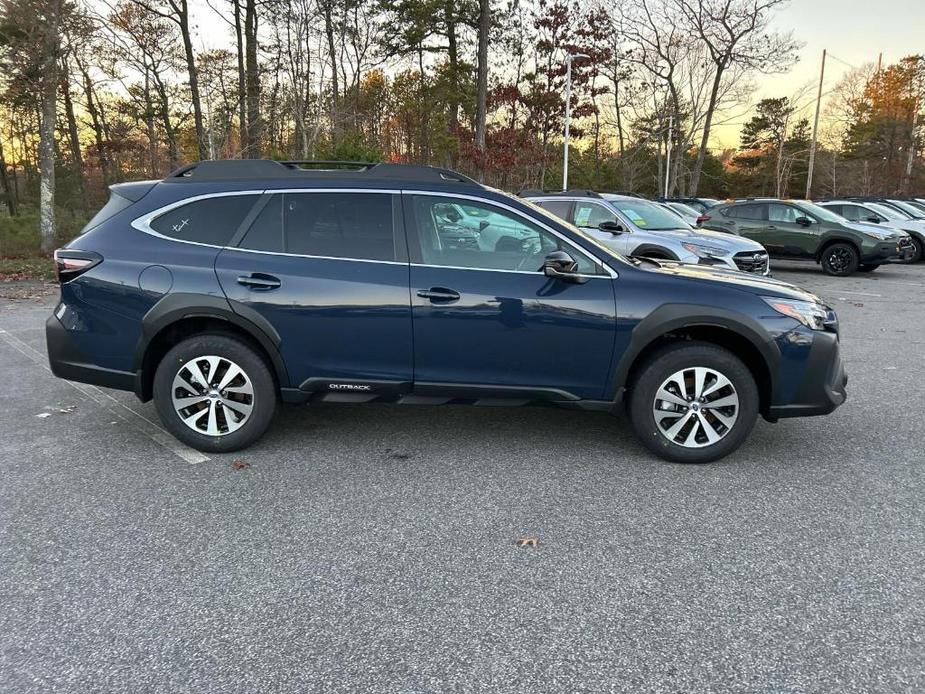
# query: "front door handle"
439 294
260 281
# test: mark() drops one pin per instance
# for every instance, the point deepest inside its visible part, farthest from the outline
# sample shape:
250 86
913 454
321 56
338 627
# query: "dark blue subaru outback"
232 285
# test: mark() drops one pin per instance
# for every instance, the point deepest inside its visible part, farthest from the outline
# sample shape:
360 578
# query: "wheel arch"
644 249
179 316
683 323
829 241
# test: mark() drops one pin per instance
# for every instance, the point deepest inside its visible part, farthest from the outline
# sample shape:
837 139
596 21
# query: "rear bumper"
823 387
66 361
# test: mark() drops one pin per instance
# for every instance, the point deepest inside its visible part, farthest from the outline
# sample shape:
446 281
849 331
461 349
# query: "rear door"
329 271
751 221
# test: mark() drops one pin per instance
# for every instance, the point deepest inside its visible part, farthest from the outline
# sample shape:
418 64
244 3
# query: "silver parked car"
639 227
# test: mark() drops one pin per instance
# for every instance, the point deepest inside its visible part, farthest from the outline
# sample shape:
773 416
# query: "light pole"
568 110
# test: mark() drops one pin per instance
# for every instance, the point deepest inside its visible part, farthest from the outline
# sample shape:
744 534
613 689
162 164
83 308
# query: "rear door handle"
439 294
260 281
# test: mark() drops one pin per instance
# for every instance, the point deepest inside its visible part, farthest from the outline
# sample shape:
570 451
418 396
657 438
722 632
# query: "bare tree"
735 33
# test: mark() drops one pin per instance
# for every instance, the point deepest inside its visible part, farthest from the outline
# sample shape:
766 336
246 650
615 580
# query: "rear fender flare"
179 306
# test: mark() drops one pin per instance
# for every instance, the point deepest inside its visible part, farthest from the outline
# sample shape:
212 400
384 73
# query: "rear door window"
560 208
340 225
753 211
211 221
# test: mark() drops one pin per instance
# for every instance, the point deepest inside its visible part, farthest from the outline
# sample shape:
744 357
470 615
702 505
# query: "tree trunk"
183 21
8 190
47 138
707 125
95 120
73 137
242 115
252 82
481 107
328 10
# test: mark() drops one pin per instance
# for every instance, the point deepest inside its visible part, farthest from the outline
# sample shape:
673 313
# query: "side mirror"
804 221
612 227
561 266
874 220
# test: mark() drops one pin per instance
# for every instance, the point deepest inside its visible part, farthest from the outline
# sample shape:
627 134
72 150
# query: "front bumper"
823 385
885 252
67 361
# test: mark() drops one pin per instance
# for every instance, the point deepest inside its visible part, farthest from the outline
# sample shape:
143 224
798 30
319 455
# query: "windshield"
887 211
546 214
646 215
910 210
820 212
686 210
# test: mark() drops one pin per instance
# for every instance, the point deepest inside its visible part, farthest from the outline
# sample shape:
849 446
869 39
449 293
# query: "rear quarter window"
211 221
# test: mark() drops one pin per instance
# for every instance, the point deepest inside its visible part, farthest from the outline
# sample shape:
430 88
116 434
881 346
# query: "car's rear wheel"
863 267
840 259
693 402
214 393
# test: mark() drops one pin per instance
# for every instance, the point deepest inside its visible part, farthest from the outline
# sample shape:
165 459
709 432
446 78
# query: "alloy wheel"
696 407
212 395
839 259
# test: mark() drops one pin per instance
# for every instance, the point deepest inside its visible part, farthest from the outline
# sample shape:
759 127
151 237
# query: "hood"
755 284
905 225
706 237
878 230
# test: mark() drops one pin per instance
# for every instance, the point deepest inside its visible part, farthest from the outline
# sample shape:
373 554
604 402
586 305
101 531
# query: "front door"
793 240
329 272
588 216
486 318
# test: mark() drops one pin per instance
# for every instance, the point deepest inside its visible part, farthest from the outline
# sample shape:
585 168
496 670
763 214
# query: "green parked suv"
800 230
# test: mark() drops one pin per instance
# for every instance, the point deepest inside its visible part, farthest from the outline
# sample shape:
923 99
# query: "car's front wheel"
693 402
918 250
840 259
214 393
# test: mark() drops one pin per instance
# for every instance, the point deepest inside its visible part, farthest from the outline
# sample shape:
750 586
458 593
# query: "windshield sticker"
634 215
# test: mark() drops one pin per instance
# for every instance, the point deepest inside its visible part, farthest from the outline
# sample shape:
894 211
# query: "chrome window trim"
315 257
612 274
143 224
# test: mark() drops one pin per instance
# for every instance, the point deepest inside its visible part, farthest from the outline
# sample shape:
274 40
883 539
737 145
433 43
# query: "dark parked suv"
800 230
231 285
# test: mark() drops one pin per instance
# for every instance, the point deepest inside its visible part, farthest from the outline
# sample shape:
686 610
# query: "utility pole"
668 155
812 147
568 111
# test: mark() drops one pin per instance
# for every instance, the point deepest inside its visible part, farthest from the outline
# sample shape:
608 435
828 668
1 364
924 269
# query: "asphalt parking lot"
372 548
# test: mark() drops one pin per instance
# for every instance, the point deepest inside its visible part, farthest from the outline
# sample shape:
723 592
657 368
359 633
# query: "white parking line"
114 407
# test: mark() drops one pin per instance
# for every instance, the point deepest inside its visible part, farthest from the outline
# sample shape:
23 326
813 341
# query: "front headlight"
809 313
704 251
879 235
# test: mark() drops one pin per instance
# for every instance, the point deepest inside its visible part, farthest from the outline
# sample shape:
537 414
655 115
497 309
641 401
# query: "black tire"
918 249
863 267
256 371
840 260
688 355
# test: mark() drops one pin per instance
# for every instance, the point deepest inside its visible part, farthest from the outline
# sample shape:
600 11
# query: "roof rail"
572 192
224 169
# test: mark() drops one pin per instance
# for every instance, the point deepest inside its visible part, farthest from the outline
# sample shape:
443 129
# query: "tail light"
73 263
703 218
